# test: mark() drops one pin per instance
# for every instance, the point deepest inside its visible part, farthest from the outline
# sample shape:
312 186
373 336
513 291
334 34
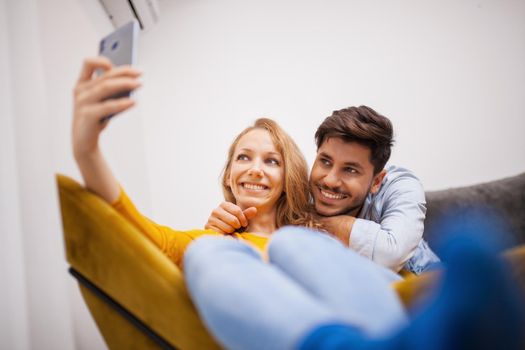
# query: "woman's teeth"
254 186
333 195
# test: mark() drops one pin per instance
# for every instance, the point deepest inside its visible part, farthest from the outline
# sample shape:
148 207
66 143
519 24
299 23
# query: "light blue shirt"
389 227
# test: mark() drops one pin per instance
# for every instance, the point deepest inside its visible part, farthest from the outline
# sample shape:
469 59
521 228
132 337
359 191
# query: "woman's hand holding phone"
91 105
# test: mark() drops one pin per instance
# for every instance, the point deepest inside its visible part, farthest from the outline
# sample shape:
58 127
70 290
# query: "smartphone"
121 48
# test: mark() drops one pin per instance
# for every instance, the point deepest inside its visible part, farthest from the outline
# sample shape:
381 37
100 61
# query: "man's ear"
377 181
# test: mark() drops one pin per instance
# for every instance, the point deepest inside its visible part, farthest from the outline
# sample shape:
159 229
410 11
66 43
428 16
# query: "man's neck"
355 213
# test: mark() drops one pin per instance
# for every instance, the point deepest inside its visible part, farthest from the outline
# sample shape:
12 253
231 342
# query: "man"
377 212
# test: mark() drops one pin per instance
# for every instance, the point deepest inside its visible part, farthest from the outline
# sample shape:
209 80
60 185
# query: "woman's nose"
255 170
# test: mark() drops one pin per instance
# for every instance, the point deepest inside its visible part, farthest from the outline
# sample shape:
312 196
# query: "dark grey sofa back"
506 197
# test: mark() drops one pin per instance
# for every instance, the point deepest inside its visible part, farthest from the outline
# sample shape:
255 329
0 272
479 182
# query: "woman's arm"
91 105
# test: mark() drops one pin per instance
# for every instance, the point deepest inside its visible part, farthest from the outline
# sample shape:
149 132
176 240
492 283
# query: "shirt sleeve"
393 240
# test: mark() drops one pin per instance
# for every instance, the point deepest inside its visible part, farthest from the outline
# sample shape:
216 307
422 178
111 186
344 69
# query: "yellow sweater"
172 242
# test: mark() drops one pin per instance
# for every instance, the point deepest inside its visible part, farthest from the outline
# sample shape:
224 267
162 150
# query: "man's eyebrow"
351 164
354 165
324 155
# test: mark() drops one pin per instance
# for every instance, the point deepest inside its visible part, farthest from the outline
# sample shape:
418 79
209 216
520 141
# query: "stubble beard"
352 210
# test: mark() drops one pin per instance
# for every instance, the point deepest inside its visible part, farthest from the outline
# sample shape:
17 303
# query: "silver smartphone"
121 48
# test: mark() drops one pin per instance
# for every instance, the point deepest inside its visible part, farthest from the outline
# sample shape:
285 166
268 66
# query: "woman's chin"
246 203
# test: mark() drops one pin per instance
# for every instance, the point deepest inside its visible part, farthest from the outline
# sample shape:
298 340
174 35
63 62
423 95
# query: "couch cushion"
506 197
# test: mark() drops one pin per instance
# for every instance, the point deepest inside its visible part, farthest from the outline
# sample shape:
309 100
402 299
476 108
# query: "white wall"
14 332
450 75
42 44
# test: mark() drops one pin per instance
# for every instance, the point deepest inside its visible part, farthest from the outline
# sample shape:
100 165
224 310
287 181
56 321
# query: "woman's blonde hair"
293 207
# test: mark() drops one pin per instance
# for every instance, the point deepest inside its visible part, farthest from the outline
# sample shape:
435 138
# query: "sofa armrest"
505 197
105 248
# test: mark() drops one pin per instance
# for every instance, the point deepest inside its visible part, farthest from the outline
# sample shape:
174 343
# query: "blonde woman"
265 172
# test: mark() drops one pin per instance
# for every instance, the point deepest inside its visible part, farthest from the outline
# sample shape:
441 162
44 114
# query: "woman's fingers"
96 97
115 72
110 107
106 89
89 88
232 214
250 213
219 227
91 64
226 218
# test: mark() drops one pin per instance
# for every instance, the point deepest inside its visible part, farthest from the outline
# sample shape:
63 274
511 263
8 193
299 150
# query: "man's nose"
332 179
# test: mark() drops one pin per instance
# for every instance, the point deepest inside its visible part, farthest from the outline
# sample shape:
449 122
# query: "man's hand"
228 217
339 226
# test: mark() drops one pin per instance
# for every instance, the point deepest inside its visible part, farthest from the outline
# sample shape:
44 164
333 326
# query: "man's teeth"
254 187
333 196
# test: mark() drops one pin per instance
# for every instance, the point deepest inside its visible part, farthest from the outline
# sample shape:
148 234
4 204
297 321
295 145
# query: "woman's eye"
242 157
272 161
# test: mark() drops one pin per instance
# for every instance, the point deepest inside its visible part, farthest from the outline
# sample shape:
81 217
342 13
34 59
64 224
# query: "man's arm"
391 228
339 226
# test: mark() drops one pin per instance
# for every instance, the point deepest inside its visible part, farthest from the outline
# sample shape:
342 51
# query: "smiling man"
378 212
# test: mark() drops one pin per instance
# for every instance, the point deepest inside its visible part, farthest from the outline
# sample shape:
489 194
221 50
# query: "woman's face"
256 172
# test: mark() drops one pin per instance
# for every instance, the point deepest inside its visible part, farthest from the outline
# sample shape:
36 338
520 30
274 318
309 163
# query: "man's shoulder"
396 172
400 179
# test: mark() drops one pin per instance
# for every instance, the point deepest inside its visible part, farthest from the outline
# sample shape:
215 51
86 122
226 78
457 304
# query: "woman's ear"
377 181
227 181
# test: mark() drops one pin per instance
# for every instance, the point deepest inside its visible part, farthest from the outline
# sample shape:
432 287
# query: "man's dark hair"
363 125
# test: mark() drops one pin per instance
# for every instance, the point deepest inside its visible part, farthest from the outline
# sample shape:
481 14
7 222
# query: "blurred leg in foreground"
316 294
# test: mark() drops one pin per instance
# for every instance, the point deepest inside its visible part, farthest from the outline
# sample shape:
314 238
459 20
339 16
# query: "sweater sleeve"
171 242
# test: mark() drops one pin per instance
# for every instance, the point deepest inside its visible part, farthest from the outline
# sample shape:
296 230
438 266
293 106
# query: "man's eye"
324 161
243 157
351 170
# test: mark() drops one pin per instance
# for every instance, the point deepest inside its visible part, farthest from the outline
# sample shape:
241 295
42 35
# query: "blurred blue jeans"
283 297
314 293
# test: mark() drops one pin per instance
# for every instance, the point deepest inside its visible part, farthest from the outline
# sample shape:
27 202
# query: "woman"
265 172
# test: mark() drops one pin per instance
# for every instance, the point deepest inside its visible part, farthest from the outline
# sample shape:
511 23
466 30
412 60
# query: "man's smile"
329 195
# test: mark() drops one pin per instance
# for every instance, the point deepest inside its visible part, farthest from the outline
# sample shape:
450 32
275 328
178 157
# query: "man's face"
342 176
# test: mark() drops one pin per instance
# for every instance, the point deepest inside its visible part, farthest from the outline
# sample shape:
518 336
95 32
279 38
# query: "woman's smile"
254 187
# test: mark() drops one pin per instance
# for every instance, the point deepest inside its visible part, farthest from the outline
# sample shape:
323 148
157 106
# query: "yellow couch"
135 294
103 249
